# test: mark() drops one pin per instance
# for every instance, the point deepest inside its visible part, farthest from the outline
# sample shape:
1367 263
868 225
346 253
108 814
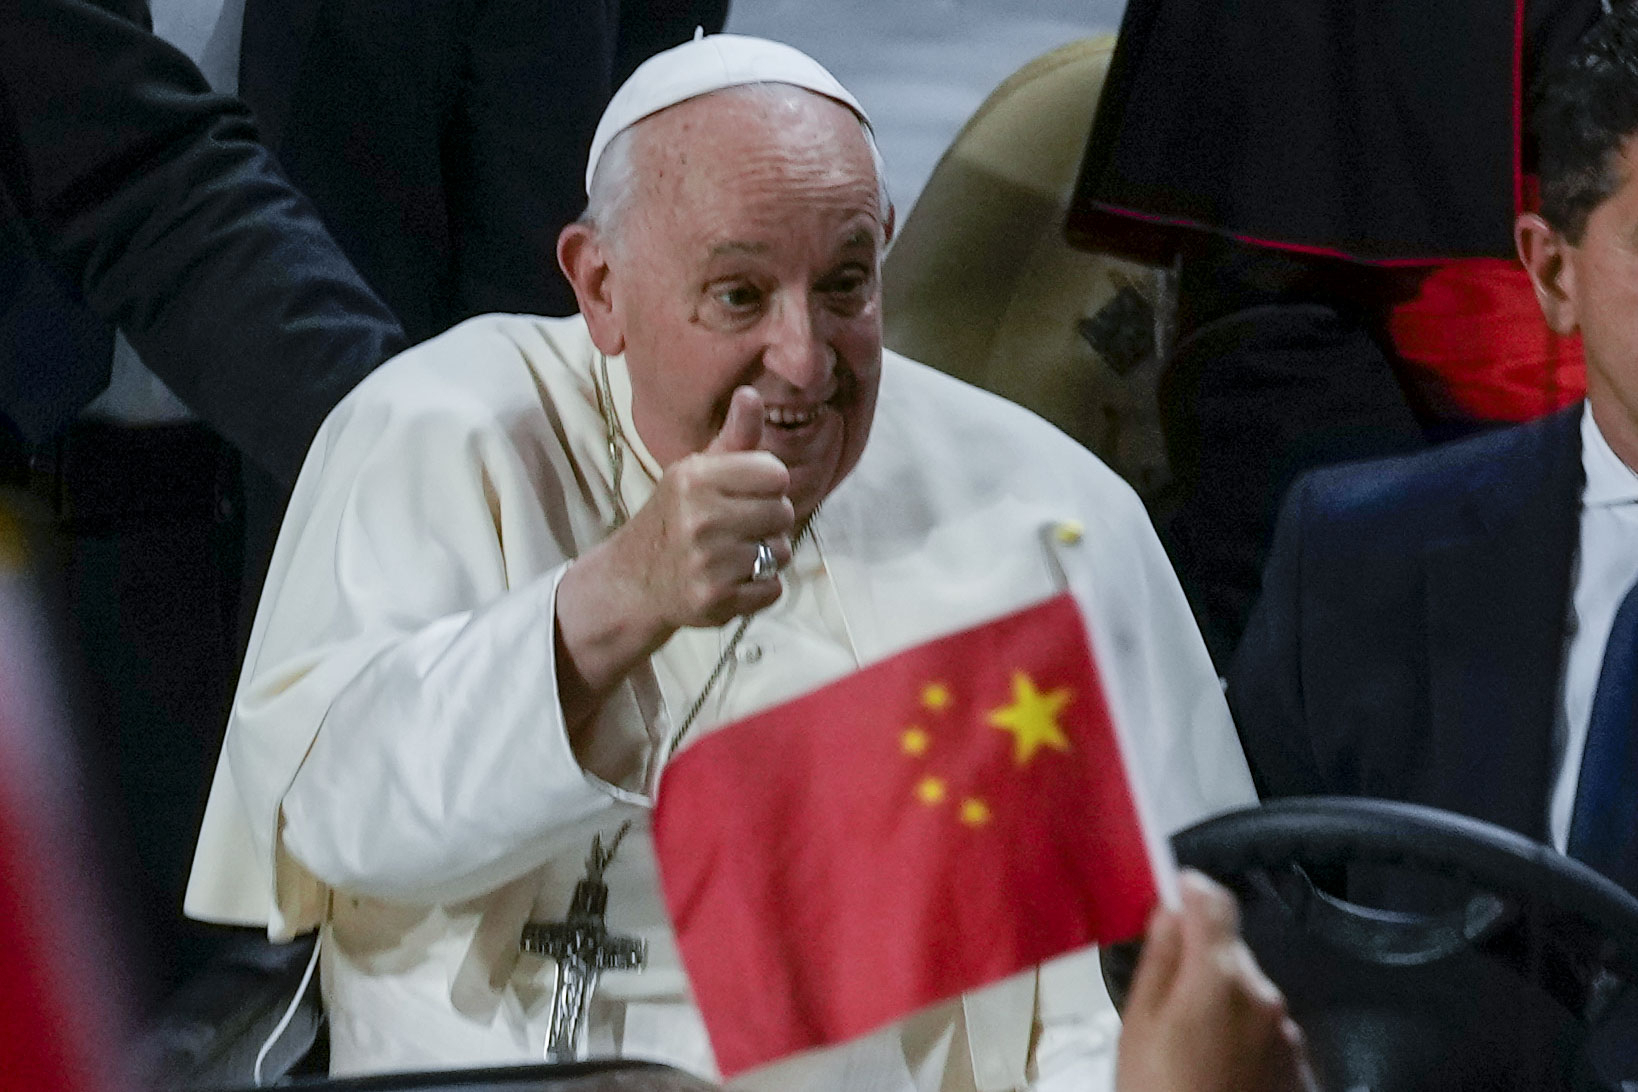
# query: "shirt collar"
1609 480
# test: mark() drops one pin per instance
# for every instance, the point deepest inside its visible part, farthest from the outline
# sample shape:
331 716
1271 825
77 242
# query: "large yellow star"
1032 718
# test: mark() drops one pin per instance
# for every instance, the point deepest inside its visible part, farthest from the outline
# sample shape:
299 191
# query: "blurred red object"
61 1026
1474 345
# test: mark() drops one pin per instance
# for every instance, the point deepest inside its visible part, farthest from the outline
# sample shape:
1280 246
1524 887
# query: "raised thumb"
742 430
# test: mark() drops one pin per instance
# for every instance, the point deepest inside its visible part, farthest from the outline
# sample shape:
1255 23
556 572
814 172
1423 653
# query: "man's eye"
738 297
851 283
845 293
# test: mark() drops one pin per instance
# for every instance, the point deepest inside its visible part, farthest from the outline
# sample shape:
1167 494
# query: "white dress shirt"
1606 567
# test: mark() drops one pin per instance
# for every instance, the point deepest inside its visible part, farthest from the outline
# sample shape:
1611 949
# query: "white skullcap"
706 64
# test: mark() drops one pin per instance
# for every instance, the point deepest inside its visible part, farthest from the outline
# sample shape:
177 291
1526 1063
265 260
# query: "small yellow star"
974 812
1032 718
930 791
915 741
935 696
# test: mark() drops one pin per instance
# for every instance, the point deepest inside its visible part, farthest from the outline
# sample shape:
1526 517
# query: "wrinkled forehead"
751 118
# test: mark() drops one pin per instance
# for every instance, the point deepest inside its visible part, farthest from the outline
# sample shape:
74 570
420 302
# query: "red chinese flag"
925 826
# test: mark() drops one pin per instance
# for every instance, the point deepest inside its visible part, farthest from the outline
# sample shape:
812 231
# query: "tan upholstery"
981 283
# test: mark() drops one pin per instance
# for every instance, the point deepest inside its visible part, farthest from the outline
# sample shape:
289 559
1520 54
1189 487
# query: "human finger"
709 529
742 426
720 599
737 521
717 579
1297 1044
1250 978
1218 967
1158 963
733 594
735 473
1210 913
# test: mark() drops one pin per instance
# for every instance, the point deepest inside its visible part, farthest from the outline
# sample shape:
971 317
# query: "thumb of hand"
742 430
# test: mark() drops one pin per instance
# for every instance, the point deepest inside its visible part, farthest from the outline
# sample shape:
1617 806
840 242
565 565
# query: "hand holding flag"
1202 1016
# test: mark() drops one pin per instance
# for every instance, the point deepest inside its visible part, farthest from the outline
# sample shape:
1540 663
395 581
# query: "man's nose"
798 350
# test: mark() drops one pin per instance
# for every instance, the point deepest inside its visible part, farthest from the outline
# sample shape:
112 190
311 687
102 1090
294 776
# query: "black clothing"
445 141
1285 153
1248 402
1379 132
151 201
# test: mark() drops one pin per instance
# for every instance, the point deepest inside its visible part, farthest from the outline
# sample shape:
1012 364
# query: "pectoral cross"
583 949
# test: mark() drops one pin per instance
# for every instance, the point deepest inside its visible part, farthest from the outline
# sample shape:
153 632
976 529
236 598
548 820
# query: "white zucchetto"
710 63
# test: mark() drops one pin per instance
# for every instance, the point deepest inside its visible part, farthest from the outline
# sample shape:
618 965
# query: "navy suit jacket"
151 201
1411 631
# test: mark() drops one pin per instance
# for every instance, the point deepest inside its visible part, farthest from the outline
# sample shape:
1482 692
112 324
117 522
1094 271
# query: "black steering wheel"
1420 949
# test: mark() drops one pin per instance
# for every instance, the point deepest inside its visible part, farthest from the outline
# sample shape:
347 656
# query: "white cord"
289 1013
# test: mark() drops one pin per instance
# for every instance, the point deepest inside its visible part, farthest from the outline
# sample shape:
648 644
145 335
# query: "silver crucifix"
583 949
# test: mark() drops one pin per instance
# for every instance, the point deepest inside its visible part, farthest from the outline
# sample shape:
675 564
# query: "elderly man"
529 555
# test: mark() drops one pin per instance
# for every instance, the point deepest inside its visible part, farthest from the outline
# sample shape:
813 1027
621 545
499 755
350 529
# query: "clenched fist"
695 541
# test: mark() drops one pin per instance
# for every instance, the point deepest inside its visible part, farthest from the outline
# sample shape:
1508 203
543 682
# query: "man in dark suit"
1458 628
132 195
153 202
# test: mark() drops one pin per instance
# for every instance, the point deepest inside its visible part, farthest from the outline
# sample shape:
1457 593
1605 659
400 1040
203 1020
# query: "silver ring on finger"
765 567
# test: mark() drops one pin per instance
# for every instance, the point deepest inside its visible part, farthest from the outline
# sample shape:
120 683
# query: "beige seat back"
981 284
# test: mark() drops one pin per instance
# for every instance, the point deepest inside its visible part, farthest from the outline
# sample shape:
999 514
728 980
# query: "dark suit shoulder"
1490 478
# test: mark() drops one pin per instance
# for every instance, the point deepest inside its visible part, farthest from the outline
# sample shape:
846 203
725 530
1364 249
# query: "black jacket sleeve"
1265 684
153 196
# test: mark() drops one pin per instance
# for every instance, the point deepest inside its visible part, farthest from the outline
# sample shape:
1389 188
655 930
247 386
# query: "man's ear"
583 257
1546 257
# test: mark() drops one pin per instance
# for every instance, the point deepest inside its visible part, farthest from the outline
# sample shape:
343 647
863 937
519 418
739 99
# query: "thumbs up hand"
686 558
699 533
742 429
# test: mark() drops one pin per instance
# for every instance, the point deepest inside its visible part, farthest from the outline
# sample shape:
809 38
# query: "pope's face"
750 256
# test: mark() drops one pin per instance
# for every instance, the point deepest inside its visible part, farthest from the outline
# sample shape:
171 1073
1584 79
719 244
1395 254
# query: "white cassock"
397 772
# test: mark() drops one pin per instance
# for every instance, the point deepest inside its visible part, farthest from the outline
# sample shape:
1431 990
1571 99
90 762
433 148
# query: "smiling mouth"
792 418
788 417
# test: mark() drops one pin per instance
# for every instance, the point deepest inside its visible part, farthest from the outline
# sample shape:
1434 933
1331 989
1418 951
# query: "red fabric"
56 1028
821 888
1474 345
